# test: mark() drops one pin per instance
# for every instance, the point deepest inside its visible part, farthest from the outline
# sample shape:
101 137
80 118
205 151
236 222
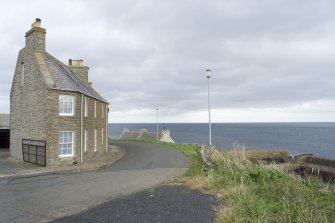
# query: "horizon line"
215 122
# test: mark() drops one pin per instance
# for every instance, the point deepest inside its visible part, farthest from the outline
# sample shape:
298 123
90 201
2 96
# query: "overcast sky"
271 60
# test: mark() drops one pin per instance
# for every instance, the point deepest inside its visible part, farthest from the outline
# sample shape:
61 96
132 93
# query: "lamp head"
208 73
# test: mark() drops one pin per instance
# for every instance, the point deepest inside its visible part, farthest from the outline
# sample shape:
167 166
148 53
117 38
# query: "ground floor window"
95 139
85 141
102 136
66 142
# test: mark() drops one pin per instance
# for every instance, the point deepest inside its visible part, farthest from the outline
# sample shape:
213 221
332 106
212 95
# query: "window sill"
65 114
65 156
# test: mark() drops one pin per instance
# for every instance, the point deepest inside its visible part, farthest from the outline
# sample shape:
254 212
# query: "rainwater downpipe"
81 129
106 132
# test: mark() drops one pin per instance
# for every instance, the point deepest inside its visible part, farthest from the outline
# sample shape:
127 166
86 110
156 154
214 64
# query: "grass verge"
258 193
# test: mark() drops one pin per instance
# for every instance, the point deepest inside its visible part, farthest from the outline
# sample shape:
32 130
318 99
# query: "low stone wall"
309 159
306 165
266 156
323 173
144 134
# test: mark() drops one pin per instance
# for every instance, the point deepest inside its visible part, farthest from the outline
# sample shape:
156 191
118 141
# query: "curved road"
44 198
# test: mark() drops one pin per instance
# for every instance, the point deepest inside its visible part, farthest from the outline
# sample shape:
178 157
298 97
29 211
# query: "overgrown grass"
254 193
258 193
191 152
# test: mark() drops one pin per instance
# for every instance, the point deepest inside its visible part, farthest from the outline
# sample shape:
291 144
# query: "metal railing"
34 151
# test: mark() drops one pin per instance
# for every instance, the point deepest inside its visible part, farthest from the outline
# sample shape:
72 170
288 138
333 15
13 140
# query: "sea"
296 138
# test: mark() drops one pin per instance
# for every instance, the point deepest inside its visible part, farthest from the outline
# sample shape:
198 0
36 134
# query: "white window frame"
86 106
95 109
71 100
102 136
73 144
95 139
85 140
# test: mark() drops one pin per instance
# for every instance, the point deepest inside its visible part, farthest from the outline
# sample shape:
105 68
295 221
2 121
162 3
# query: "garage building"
4 131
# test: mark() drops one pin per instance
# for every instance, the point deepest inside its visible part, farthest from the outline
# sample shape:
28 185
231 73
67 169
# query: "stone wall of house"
28 110
99 122
57 123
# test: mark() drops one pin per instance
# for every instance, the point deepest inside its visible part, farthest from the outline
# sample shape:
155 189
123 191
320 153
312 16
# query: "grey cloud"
143 53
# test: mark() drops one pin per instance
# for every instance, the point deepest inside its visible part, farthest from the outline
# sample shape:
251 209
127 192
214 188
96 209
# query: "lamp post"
208 75
157 122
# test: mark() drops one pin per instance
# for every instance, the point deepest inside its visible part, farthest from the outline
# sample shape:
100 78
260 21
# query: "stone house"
56 116
143 134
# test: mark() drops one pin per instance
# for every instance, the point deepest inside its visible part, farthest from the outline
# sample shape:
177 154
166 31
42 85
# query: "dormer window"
66 105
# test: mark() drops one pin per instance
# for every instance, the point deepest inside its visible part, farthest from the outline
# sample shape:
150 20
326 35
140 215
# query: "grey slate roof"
65 79
4 120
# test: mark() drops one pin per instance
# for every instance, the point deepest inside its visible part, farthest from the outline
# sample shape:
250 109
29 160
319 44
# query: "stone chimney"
35 37
80 69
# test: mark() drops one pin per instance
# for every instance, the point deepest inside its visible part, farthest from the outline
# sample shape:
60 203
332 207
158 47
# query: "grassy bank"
258 193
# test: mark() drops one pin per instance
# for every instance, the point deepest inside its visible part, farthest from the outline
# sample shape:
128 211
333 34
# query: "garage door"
4 138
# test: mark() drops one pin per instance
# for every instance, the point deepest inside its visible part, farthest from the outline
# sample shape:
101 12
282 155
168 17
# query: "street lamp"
157 121
208 75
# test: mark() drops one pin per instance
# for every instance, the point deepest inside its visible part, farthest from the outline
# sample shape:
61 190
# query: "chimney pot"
37 23
77 63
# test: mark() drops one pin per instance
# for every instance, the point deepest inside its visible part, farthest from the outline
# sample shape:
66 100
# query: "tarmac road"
45 198
163 204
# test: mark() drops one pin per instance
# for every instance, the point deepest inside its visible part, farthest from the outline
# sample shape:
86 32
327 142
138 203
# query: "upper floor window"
86 106
95 139
102 109
66 105
95 109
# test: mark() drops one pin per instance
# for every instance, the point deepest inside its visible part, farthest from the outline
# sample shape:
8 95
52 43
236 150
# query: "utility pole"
208 75
157 121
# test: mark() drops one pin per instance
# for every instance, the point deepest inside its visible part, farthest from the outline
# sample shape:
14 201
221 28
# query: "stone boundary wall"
309 159
163 136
